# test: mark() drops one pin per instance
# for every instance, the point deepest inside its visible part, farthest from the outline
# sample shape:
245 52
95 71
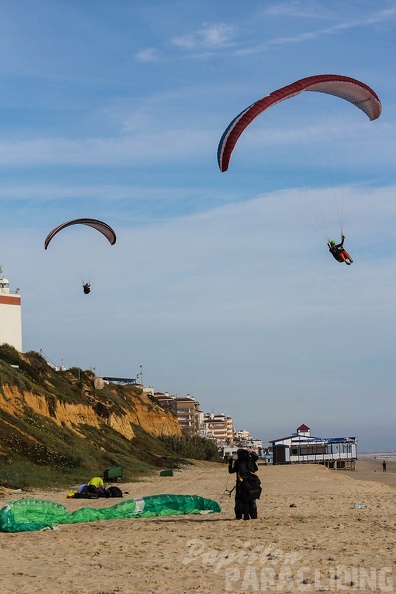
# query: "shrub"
194 447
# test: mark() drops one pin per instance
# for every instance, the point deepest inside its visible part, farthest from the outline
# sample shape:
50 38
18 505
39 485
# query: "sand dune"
309 537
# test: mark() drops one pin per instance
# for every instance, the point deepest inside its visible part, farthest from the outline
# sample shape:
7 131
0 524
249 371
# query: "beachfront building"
193 421
185 408
302 448
120 381
10 315
219 427
216 426
188 414
242 439
166 400
241 435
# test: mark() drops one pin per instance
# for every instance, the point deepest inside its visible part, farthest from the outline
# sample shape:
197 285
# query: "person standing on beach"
245 497
384 466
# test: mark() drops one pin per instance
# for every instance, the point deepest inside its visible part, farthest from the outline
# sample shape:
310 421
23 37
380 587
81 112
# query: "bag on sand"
114 491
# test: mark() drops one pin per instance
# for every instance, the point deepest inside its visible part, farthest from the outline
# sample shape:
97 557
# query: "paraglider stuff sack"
252 487
254 494
115 492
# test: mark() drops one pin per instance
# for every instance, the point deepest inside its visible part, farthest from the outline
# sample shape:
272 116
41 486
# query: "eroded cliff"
60 419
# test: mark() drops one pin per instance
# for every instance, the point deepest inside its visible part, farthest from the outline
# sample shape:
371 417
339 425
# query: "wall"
11 321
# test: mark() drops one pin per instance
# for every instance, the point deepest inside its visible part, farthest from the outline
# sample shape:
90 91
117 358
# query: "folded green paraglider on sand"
39 514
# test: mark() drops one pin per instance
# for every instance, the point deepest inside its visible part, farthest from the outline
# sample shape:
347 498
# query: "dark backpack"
250 483
114 491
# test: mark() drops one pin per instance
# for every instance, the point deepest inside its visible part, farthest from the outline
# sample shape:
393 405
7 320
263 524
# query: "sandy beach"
309 537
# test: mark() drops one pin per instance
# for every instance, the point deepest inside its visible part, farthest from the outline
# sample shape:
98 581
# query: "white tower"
10 315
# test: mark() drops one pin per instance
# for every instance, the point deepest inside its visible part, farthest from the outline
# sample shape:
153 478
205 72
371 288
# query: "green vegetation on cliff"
57 428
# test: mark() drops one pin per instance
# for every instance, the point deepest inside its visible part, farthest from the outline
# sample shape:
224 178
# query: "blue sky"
216 285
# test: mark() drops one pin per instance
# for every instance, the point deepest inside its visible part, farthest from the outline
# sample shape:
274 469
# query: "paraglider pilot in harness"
247 488
338 251
87 288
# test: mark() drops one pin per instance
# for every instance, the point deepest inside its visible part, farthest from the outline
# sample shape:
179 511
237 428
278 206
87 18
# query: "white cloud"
209 37
349 22
150 54
305 9
163 145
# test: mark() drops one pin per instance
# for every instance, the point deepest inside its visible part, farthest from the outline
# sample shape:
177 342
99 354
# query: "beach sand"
309 537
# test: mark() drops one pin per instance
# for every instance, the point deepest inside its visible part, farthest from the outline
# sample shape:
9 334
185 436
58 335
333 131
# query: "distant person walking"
384 466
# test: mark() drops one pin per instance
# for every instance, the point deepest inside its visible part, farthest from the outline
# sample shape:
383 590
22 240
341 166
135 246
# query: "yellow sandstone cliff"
151 417
56 423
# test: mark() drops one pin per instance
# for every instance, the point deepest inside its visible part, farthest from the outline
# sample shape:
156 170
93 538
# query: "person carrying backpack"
247 488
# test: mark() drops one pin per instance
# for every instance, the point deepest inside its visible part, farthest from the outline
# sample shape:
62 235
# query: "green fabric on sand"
38 514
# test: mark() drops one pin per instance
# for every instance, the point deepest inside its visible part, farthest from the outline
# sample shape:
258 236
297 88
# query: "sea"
390 456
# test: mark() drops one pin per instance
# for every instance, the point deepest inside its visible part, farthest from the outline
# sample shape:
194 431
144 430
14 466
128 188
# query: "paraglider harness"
248 483
335 251
338 248
86 288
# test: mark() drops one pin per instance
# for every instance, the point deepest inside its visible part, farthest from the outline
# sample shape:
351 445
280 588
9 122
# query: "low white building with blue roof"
302 448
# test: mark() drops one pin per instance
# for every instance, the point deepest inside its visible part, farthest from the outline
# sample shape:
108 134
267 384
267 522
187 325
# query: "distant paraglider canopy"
104 228
350 89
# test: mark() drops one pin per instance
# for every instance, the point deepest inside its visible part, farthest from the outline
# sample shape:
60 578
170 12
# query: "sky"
220 285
